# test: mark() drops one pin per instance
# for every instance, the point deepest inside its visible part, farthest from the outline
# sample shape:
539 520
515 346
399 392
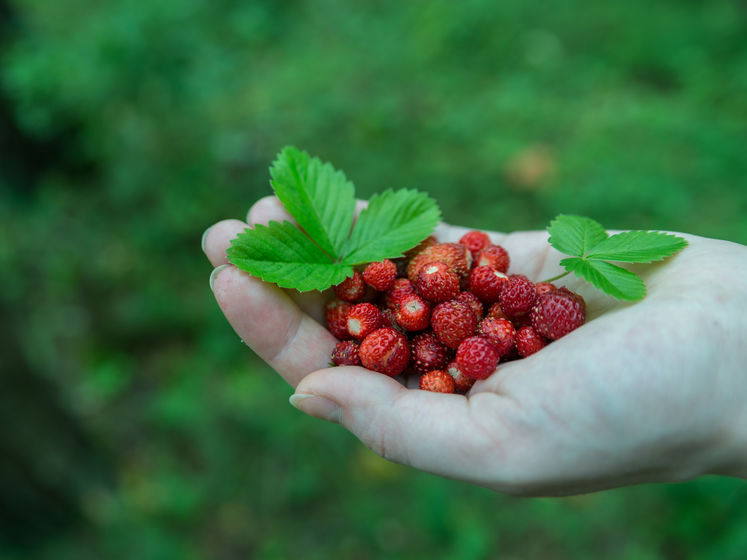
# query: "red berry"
475 241
498 331
528 341
380 275
462 382
363 319
544 287
457 257
477 357
437 283
412 313
428 353
473 301
487 283
518 296
351 289
437 381
557 313
401 287
337 318
386 351
422 246
522 321
389 320
495 257
496 311
346 354
452 322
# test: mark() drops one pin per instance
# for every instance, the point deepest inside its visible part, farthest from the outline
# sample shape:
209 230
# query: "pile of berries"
448 312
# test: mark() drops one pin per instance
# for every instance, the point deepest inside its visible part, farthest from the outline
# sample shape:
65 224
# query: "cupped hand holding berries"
651 391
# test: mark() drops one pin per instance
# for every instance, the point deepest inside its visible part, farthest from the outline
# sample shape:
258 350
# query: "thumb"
445 434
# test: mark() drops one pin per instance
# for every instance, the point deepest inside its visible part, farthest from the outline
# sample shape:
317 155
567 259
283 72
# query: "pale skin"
654 391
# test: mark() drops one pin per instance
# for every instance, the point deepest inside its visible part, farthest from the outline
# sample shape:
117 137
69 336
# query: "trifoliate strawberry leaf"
591 248
320 252
319 197
575 235
393 222
637 247
609 278
281 253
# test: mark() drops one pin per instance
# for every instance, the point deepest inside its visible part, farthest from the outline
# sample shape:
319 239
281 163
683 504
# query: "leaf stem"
558 277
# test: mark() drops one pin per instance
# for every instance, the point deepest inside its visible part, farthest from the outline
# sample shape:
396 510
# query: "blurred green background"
135 423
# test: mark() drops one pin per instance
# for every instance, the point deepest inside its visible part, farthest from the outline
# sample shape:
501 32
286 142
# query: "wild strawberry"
475 241
351 289
452 322
544 287
477 357
518 296
557 313
422 246
457 257
401 287
473 301
495 257
380 275
498 331
437 283
437 381
487 283
346 354
389 320
412 313
528 341
574 295
521 321
428 353
363 319
337 318
496 311
386 351
462 382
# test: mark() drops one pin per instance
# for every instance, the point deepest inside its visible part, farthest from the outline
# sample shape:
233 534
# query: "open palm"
651 391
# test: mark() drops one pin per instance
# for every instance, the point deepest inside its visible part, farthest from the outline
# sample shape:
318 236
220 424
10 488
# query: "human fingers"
217 238
445 434
269 209
271 324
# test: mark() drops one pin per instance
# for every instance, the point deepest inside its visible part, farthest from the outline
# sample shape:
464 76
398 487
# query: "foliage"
128 127
322 247
592 247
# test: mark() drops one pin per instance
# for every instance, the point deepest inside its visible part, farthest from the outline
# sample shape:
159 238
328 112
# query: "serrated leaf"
637 247
575 235
393 222
282 254
609 278
319 197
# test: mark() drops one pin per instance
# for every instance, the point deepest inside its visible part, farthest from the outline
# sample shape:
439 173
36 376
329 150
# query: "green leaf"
283 254
609 278
637 247
393 222
575 235
319 197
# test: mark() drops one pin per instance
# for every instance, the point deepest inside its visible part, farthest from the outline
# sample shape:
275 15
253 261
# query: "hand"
651 391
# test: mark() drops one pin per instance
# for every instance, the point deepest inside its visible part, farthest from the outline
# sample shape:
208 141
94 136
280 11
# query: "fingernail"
318 407
204 238
216 271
